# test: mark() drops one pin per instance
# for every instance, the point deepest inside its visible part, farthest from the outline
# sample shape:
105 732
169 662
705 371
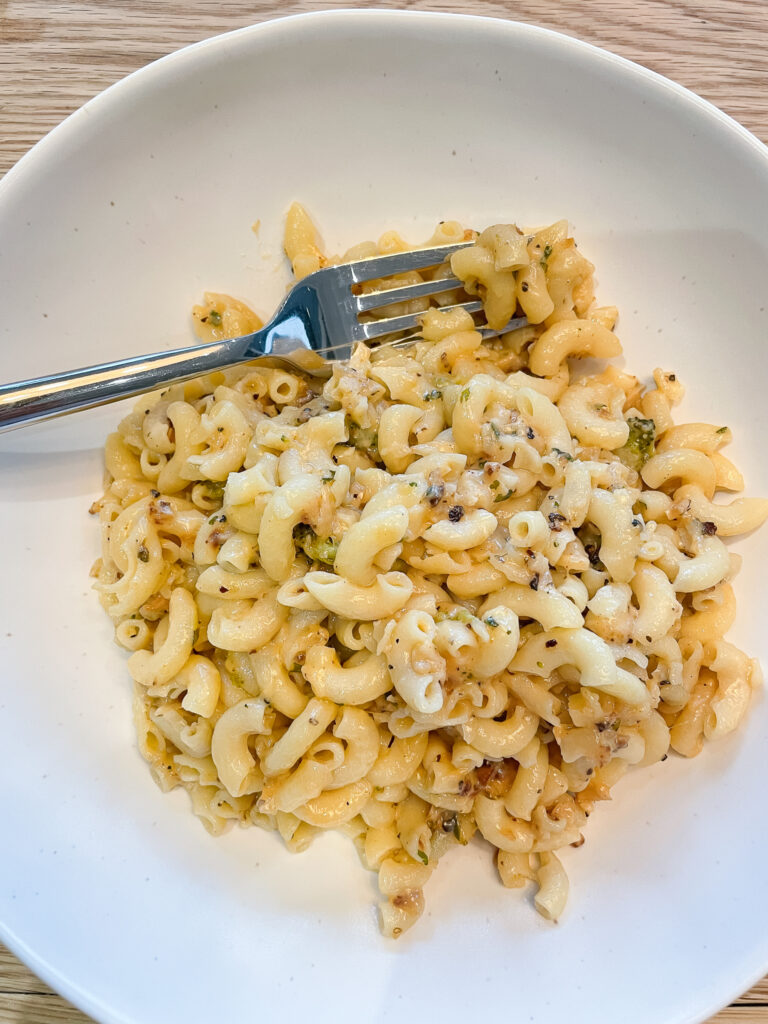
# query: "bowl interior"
111 229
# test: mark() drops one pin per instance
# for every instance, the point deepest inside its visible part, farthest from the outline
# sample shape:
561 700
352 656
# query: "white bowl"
111 227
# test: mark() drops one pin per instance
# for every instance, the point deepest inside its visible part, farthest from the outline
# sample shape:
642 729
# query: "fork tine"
372 300
485 332
343 350
511 325
398 263
377 328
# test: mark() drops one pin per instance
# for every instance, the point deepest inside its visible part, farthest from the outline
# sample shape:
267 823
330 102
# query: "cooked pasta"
453 589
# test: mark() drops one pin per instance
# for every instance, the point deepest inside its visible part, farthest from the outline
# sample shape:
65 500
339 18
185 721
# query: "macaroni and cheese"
457 588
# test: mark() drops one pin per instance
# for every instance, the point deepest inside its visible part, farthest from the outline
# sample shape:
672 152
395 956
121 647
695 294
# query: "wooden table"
54 56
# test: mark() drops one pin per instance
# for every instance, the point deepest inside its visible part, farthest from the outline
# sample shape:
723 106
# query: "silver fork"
319 315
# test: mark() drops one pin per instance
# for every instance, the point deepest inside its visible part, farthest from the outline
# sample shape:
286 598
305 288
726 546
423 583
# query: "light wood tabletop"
54 56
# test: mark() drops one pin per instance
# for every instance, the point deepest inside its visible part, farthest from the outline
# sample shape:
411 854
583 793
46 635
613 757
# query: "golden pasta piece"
220 316
302 243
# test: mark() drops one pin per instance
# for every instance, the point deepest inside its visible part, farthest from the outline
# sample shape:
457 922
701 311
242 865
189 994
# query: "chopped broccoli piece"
214 489
459 614
319 549
364 438
640 443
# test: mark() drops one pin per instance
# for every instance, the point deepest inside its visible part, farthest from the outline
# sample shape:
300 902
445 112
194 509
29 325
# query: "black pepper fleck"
555 519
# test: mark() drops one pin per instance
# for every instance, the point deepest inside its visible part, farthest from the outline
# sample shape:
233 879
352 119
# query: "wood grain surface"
54 56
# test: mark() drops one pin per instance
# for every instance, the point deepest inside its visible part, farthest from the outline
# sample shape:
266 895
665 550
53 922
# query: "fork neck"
297 324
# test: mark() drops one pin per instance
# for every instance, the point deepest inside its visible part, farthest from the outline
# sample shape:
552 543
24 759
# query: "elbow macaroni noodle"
451 589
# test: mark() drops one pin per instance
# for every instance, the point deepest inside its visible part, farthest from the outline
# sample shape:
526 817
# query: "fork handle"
41 398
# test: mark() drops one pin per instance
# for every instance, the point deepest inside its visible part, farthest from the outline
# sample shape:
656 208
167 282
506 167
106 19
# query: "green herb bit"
640 443
433 395
319 549
545 255
563 455
423 857
495 430
464 396
143 554
721 430
214 318
457 831
490 621
503 497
